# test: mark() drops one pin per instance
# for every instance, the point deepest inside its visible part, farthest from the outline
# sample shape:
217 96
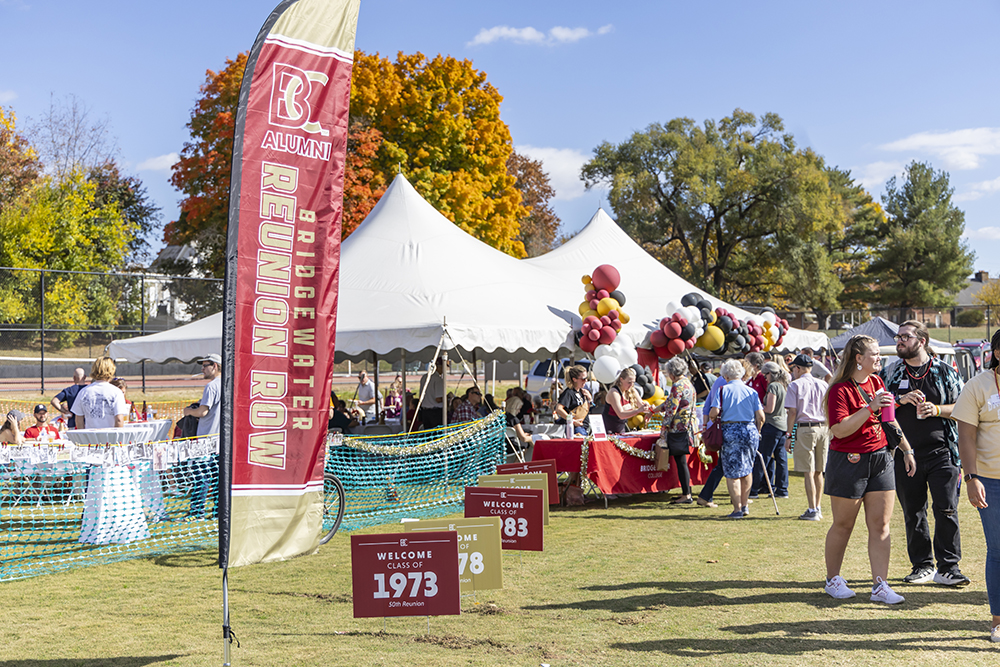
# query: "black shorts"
872 472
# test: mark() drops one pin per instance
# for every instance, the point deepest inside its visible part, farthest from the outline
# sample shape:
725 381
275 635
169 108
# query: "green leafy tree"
922 258
723 204
62 225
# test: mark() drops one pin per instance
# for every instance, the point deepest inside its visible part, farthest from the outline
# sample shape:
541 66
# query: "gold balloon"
712 339
586 280
584 307
606 305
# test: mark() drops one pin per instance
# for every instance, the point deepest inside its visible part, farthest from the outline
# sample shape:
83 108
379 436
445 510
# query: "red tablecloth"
615 471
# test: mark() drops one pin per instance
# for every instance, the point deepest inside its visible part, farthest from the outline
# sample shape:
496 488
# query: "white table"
119 497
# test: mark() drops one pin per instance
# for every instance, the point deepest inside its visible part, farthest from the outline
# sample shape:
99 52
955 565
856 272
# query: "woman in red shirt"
859 468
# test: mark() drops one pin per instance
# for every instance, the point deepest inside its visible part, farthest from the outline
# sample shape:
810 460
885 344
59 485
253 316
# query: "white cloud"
563 167
961 149
7 96
984 233
529 35
159 163
873 175
978 190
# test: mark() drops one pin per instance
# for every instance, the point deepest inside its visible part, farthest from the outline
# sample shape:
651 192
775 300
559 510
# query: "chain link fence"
53 321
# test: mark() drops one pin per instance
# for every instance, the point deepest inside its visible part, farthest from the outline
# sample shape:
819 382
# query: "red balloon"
682 321
602 294
605 320
662 352
607 335
585 329
606 277
588 345
594 334
594 303
613 314
676 346
689 343
664 322
592 320
658 338
590 296
616 325
673 330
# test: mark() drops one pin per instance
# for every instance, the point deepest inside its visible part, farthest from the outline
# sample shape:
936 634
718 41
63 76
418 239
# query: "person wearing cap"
927 390
63 401
10 430
772 436
807 436
818 368
41 425
101 404
203 470
207 411
365 397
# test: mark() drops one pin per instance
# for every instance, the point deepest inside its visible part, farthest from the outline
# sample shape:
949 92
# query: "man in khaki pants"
808 437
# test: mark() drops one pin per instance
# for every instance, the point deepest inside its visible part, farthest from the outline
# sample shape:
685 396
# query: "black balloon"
649 378
688 331
767 309
639 370
740 341
690 299
577 335
640 380
704 304
618 296
725 324
706 314
648 390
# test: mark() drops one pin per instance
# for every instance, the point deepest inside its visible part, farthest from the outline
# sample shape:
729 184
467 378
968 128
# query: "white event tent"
646 283
407 274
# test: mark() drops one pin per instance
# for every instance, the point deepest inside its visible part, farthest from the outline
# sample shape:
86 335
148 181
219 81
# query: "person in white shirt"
101 404
365 396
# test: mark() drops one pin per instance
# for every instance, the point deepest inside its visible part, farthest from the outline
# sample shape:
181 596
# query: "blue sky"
868 85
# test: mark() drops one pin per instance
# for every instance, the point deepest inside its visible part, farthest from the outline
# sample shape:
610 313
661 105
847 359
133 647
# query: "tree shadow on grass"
130 661
722 594
809 636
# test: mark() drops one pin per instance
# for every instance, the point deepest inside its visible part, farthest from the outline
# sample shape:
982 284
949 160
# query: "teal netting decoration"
64 506
420 475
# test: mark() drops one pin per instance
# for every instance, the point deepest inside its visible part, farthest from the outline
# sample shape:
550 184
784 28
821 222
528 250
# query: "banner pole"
226 631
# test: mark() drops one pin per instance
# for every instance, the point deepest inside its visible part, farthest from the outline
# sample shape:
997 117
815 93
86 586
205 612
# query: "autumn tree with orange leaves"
435 120
540 223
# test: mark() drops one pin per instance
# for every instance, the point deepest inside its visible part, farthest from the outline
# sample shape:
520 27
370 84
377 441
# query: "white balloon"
606 369
672 307
628 356
604 351
699 332
769 317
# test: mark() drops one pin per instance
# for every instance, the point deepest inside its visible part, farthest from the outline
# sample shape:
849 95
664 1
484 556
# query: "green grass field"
641 583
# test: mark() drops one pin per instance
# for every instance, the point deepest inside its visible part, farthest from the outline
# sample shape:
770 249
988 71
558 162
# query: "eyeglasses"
902 338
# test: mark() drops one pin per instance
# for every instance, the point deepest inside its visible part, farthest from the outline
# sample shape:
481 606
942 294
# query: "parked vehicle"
543 373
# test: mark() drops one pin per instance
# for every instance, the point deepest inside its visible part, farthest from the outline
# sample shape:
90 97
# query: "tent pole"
379 417
444 390
403 400
494 389
475 370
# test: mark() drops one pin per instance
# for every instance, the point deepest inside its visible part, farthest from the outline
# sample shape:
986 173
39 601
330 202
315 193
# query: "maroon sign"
405 574
548 466
520 511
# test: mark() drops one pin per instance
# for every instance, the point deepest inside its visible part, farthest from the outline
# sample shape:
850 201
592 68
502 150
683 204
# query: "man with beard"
926 390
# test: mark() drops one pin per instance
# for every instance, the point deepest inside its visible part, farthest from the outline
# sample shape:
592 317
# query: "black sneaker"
952 577
921 575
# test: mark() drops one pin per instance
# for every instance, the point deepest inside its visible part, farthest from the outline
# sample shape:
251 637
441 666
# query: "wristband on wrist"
870 410
937 410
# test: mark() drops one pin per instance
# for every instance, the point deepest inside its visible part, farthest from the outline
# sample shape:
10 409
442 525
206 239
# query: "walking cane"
763 467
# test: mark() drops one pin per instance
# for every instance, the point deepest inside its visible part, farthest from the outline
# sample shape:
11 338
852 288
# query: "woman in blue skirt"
737 408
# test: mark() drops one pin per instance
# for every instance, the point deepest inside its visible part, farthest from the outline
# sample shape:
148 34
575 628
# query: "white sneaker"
882 593
995 634
837 588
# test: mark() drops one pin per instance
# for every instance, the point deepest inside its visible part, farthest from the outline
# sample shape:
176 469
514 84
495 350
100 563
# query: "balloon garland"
601 309
693 322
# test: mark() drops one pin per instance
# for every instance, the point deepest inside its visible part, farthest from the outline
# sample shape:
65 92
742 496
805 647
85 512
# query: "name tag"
994 402
904 383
